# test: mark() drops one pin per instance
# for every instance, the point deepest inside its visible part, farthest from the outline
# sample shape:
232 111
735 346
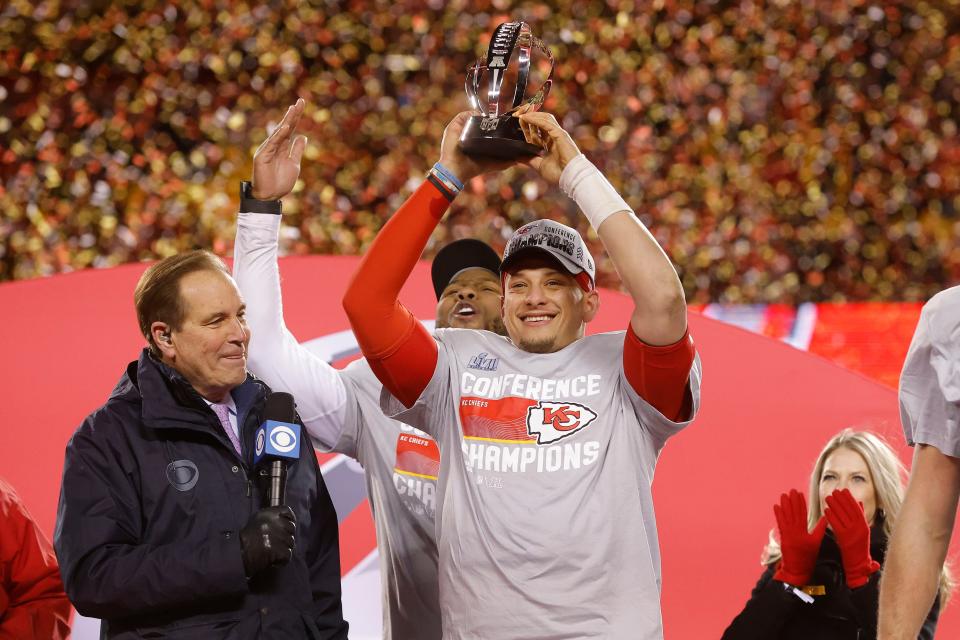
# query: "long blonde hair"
887 474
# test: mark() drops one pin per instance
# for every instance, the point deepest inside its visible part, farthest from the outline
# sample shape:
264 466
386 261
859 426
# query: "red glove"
846 518
798 545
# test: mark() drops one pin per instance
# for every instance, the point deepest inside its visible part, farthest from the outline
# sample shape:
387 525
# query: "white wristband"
592 192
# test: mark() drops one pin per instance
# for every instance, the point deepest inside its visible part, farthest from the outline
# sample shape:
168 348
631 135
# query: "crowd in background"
780 150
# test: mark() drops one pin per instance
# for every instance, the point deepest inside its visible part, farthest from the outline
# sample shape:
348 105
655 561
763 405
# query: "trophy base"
496 138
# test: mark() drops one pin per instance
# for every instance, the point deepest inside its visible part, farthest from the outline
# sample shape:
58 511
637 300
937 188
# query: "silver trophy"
516 60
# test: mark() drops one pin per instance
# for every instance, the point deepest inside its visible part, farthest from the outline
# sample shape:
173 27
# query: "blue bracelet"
446 173
443 180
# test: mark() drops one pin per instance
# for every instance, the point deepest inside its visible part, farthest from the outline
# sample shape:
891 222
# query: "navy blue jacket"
153 498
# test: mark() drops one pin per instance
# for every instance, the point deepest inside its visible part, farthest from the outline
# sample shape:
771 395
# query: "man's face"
471 301
544 309
210 348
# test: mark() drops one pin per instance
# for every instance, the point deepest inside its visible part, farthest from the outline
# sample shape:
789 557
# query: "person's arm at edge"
38 603
397 347
918 545
658 349
275 354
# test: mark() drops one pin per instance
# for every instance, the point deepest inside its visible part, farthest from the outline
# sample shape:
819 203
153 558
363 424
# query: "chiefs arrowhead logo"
550 421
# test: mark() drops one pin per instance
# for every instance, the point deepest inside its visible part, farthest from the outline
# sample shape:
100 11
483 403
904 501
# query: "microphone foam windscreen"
280 407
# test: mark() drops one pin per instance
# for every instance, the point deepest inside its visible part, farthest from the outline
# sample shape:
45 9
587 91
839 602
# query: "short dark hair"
157 296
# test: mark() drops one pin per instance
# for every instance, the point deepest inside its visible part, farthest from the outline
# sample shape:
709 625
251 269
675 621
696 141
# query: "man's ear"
162 339
591 305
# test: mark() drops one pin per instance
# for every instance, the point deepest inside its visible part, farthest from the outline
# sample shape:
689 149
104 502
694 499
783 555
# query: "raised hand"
276 163
543 130
465 167
850 526
799 545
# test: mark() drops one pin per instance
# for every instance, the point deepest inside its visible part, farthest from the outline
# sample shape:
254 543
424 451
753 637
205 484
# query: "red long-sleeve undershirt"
659 374
397 347
404 355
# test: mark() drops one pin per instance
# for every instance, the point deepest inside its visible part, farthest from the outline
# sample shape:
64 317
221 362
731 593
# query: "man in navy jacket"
162 528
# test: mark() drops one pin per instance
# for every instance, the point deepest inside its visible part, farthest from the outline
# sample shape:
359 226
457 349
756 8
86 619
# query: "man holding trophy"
548 439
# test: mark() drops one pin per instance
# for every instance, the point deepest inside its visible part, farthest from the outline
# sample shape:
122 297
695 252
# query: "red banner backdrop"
768 408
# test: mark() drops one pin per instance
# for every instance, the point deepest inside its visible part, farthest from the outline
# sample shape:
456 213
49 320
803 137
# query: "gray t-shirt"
401 466
544 513
930 380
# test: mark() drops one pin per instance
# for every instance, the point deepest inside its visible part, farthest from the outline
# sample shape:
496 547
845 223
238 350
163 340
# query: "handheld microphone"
278 442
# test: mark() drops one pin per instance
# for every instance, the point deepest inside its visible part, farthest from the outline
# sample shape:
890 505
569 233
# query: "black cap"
459 255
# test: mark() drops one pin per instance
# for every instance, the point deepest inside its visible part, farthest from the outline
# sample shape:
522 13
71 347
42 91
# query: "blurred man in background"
930 413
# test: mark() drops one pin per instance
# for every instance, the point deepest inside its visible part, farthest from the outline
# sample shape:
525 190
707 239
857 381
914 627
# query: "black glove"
267 539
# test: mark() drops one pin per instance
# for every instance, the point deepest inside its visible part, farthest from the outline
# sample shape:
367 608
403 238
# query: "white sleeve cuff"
592 192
